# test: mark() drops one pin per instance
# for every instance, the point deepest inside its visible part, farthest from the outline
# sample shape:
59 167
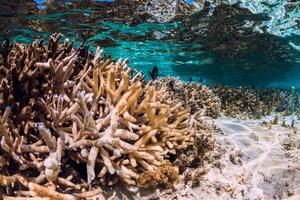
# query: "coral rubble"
72 121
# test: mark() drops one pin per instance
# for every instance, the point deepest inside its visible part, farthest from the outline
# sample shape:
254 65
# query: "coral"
194 163
195 96
72 121
245 102
164 175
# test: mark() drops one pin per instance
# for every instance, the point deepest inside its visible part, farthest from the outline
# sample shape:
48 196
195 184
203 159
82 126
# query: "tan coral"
165 175
128 128
86 111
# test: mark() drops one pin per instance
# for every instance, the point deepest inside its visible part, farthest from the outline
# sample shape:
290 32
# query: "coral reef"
72 121
195 96
246 102
242 102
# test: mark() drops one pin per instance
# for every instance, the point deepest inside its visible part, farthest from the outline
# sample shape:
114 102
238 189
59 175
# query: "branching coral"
65 109
247 102
195 96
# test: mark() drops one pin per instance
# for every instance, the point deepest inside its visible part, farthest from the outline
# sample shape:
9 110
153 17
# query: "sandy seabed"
260 161
256 161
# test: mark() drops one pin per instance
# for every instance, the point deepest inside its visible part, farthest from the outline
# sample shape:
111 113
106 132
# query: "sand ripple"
264 161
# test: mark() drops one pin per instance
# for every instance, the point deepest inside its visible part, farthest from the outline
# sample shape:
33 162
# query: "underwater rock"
72 121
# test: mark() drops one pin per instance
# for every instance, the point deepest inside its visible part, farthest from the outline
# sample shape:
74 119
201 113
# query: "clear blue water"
235 43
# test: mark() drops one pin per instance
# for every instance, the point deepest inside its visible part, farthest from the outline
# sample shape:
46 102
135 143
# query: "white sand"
258 162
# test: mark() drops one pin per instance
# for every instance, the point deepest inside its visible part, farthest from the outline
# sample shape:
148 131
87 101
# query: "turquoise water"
242 44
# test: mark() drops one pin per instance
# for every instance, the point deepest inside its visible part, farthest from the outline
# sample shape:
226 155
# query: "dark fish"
171 84
201 80
190 79
40 44
83 51
154 73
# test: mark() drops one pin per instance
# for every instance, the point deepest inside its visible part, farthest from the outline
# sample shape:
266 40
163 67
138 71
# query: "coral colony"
195 96
63 108
247 102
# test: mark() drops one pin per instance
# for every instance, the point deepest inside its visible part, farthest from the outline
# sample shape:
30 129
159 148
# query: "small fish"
154 73
40 43
171 84
201 80
83 51
190 79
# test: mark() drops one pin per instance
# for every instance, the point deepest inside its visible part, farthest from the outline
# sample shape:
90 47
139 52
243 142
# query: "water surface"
234 43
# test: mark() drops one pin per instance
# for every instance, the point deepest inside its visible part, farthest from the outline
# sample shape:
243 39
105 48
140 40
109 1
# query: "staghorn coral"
195 96
72 122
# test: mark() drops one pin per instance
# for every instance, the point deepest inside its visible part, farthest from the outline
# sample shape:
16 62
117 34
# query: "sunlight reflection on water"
243 51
